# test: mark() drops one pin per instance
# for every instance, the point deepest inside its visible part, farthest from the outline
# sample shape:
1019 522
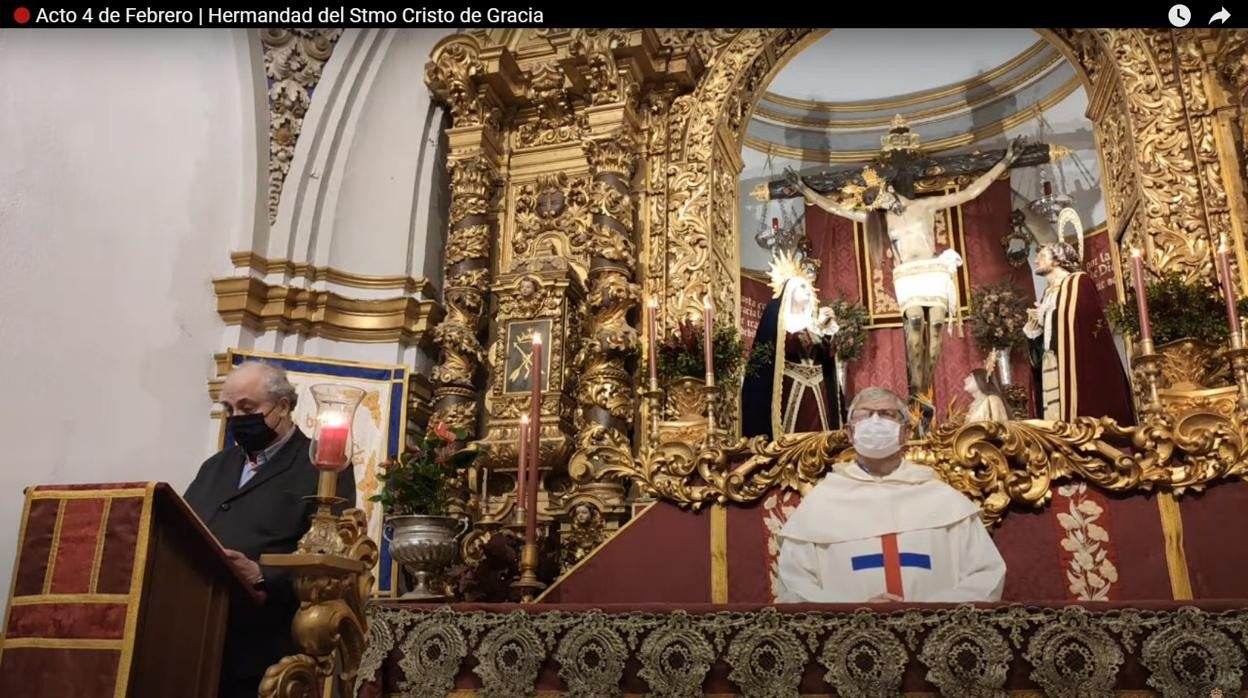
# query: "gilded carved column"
610 342
454 76
467 270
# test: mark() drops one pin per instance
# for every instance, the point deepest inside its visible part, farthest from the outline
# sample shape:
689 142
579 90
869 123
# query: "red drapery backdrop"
843 270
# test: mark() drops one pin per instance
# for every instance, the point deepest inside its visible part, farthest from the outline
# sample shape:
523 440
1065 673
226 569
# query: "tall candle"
1228 291
535 441
652 308
331 441
522 465
708 326
1141 299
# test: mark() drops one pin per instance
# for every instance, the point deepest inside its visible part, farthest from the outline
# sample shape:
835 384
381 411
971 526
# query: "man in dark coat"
252 496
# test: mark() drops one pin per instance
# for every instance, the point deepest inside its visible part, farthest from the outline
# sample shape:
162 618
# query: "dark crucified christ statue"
885 196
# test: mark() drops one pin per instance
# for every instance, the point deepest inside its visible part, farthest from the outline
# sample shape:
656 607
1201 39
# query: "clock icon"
1180 15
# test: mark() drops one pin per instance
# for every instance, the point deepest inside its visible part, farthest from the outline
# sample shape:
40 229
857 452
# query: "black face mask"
251 432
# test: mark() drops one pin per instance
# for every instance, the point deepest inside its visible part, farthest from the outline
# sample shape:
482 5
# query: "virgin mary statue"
790 382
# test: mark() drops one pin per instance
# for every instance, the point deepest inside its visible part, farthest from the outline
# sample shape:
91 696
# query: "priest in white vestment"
881 528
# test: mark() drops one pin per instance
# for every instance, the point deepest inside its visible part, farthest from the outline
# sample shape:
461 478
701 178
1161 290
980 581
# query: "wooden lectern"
119 591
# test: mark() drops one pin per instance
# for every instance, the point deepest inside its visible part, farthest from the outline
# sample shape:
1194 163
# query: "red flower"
443 432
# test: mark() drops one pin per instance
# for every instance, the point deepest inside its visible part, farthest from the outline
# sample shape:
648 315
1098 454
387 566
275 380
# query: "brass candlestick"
711 394
1238 357
527 587
1148 362
654 401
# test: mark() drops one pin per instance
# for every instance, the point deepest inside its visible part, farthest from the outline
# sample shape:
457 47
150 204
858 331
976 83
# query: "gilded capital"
616 154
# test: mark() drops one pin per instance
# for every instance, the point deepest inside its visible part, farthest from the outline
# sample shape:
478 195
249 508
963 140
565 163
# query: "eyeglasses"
248 408
862 413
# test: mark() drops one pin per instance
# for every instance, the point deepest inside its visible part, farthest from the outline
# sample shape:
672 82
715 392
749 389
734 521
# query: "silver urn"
425 546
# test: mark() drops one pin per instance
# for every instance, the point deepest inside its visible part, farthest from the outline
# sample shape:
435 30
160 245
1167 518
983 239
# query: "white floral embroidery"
777 508
1091 574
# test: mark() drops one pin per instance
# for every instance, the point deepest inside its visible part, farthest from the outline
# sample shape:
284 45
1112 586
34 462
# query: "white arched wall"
132 162
366 193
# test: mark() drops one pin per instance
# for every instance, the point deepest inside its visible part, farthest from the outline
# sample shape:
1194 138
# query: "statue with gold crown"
896 218
790 383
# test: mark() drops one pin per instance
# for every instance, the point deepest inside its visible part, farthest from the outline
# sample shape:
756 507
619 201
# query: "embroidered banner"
77 586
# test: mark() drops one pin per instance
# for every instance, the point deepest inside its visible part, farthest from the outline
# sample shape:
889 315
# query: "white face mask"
876 437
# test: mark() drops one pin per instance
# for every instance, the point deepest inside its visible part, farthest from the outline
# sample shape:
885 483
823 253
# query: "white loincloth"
928 283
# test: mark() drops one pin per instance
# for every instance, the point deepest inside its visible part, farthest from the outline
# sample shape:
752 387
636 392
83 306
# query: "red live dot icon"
21 15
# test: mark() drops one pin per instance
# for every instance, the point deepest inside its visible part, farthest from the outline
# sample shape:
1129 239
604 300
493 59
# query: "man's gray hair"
276 384
875 393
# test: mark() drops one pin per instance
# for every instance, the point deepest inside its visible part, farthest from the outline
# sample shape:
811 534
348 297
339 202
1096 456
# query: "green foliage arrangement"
682 355
417 483
851 339
1177 309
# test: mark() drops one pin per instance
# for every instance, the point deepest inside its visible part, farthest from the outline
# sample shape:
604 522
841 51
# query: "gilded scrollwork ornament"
554 207
293 62
1172 203
995 464
332 577
454 75
554 121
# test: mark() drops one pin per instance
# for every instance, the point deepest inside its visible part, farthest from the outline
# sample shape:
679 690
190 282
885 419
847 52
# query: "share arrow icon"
1221 15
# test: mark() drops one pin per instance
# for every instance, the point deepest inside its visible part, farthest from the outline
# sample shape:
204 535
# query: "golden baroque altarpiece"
592 169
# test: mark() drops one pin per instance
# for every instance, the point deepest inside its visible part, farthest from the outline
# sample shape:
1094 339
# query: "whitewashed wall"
129 163
134 164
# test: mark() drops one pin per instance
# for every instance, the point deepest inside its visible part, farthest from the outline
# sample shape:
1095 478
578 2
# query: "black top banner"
625 13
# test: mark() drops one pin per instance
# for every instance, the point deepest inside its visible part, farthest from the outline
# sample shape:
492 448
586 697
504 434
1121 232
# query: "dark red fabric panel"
80 531
59 673
749 579
755 295
94 621
1140 547
832 242
1215 525
1028 543
117 560
1098 261
664 556
32 565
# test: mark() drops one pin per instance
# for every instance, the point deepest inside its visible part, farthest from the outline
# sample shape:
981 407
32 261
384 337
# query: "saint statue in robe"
1073 353
790 384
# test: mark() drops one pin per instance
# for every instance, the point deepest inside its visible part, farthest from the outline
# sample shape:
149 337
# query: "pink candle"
708 340
523 465
652 308
1228 290
535 441
1137 271
331 442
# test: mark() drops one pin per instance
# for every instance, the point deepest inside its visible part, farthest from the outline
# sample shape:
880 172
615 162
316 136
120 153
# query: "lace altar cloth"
1053 649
